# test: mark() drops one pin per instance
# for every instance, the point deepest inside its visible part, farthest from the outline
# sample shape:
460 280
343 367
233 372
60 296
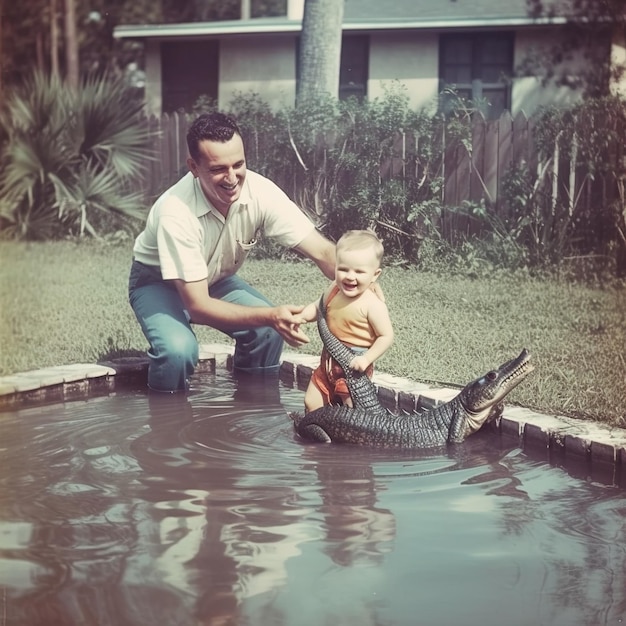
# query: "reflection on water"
205 509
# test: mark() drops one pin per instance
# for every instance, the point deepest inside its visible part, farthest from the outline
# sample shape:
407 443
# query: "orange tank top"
347 318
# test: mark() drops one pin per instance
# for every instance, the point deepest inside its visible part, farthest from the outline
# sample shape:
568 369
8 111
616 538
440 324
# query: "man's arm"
203 309
321 251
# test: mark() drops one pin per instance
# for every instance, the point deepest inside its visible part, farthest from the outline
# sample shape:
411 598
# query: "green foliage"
25 25
204 104
544 208
598 124
563 210
327 155
378 164
69 156
27 41
587 33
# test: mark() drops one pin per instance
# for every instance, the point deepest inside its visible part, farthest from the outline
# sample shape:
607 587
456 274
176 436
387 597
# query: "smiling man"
197 235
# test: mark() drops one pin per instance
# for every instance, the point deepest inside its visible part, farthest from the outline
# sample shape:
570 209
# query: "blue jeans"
173 344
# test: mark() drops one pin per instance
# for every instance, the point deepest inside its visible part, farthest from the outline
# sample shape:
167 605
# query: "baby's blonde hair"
361 240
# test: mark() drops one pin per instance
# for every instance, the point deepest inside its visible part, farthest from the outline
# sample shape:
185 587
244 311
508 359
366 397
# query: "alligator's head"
482 398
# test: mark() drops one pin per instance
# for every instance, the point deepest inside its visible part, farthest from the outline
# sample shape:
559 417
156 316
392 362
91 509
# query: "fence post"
490 178
478 157
521 149
154 171
505 152
572 201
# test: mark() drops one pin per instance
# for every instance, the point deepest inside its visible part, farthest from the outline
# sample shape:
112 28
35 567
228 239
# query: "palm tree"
70 155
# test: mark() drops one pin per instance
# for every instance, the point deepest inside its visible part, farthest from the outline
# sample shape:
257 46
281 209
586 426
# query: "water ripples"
208 500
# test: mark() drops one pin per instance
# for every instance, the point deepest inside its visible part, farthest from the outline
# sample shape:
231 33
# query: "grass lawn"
65 302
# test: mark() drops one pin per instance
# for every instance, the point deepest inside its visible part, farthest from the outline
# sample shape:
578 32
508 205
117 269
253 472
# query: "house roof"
366 16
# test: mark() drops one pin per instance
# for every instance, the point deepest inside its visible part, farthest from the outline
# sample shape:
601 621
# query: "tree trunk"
320 49
1 51
71 44
54 39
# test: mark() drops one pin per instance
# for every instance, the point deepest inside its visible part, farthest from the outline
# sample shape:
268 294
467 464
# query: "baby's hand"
359 363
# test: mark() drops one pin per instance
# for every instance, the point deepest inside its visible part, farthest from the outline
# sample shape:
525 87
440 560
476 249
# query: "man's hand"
286 322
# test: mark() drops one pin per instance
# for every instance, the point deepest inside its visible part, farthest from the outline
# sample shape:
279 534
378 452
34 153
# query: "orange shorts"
329 378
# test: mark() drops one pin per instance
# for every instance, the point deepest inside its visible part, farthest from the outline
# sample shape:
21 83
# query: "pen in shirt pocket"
247 245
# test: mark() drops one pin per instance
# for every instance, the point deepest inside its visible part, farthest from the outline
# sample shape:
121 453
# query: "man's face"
221 171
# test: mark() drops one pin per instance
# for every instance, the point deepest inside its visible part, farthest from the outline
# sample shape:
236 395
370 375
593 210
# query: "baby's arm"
310 311
378 317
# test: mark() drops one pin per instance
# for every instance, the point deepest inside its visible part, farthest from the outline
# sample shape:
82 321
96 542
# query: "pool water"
139 508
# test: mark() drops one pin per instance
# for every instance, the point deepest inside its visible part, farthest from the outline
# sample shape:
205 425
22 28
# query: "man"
197 235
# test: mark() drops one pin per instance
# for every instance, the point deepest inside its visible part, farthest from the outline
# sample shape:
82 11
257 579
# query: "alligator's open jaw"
481 396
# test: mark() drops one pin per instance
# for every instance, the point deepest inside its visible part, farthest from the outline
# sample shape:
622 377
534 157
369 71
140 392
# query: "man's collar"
206 206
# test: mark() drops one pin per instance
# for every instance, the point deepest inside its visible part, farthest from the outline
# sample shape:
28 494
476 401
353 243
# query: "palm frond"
68 155
90 190
113 129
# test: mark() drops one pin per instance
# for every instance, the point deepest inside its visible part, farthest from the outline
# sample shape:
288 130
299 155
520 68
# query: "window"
354 67
477 67
189 70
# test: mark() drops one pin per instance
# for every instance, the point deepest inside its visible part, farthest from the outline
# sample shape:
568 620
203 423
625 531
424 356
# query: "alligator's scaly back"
368 423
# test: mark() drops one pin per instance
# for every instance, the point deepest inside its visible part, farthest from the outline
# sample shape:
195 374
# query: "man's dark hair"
212 126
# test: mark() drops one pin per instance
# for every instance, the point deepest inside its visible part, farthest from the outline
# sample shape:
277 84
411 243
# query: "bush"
327 154
556 217
378 164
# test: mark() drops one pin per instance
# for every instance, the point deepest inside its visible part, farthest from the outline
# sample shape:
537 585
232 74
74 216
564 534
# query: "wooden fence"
472 171
475 172
169 148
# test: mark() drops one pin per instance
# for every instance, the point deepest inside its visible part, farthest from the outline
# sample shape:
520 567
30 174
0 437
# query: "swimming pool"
135 508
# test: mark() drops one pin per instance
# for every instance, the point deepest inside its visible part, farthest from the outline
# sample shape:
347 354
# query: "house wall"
618 60
412 60
528 93
267 66
262 65
152 93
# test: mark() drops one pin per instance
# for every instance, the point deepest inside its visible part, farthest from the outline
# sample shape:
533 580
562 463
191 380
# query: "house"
474 46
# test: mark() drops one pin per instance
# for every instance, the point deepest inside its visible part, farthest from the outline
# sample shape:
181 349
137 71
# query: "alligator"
368 423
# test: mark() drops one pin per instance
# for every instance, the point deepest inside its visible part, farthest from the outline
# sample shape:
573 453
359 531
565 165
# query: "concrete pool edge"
596 444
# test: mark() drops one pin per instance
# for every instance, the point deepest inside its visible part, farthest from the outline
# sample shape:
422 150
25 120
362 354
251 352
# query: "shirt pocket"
248 239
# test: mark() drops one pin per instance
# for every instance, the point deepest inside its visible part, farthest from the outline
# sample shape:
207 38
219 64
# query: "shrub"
377 163
563 206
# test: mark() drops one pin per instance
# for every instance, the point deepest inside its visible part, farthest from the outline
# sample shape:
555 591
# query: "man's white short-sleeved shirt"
191 240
